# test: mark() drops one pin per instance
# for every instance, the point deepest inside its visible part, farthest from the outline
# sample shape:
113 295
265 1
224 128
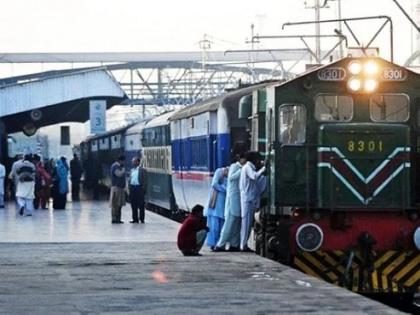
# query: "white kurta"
250 195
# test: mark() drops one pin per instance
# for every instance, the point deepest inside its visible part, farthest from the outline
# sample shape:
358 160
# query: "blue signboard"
97 114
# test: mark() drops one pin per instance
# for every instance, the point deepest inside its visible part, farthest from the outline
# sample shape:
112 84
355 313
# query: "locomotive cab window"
292 124
389 107
329 107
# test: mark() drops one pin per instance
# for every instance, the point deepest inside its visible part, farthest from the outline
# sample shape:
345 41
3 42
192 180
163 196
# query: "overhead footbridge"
33 101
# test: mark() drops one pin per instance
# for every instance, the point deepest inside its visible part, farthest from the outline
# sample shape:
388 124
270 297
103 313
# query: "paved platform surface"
85 221
147 275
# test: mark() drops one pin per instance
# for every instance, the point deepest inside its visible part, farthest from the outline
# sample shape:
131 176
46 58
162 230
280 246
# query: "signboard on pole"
97 114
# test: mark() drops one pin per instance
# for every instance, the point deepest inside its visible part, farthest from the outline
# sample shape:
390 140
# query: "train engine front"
342 142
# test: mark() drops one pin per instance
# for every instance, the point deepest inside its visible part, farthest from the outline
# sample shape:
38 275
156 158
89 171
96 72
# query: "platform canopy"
55 97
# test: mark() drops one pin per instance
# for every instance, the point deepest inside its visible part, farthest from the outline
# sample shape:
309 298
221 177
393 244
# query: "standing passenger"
138 186
61 184
25 191
42 184
13 176
2 176
216 206
232 228
117 195
249 195
75 175
192 233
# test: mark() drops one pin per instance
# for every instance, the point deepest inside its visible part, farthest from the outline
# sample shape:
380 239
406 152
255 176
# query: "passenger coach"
204 137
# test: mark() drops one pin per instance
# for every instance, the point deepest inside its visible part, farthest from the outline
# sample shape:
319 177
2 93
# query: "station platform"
75 262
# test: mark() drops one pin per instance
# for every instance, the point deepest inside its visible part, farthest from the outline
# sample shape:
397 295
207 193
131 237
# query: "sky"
178 25
168 25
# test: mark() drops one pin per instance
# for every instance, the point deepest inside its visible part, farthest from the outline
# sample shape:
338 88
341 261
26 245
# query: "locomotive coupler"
366 242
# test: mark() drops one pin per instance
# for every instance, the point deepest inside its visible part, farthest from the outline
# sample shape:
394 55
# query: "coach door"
292 155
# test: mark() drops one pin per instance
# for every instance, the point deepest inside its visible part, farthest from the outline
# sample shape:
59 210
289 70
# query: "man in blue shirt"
137 190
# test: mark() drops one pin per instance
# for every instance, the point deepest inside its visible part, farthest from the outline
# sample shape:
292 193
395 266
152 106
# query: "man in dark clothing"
192 233
75 174
117 197
138 186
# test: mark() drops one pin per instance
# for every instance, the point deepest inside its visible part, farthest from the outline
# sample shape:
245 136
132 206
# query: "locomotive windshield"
330 107
389 107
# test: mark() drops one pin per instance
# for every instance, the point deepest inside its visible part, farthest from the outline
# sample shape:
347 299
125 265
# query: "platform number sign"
97 114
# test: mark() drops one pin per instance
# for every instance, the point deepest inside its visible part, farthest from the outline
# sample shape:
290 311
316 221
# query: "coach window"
330 107
389 107
292 124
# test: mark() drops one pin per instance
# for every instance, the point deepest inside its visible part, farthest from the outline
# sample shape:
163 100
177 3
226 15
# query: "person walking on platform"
192 233
13 176
249 195
232 228
138 188
25 192
2 177
75 176
42 184
216 206
117 195
61 185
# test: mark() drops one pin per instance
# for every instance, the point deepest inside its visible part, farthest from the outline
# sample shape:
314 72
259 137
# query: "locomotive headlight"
370 68
354 84
309 237
370 85
355 67
416 238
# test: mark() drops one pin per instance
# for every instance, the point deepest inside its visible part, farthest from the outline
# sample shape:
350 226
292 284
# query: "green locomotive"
342 142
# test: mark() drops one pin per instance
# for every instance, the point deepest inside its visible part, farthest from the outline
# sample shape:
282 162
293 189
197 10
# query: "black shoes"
21 210
247 250
117 222
192 254
233 249
134 221
219 249
142 221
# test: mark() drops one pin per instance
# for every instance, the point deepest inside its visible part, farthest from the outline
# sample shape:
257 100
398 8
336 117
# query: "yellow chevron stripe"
394 264
394 287
375 281
389 269
413 263
301 265
333 262
320 265
384 258
412 280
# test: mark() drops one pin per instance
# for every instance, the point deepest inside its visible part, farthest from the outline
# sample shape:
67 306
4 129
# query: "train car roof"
138 127
160 120
109 133
214 103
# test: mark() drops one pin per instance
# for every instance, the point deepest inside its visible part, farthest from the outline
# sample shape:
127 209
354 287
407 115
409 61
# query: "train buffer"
75 262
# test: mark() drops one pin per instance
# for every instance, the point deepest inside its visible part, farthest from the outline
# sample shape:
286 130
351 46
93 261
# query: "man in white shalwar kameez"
2 176
231 230
13 176
25 192
250 195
